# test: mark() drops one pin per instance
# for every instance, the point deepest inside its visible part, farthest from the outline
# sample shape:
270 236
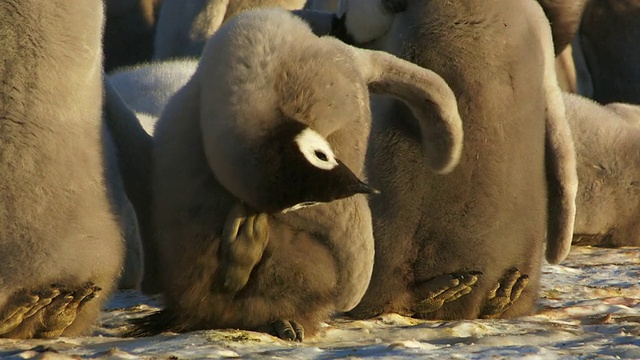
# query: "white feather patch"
316 149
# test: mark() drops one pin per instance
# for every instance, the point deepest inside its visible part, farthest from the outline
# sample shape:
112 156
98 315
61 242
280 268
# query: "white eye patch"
316 149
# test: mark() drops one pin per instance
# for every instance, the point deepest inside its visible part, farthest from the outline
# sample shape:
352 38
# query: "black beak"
363 188
352 184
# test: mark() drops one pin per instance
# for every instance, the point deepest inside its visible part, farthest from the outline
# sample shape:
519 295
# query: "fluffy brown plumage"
564 17
129 32
58 215
515 184
607 142
610 39
271 71
184 27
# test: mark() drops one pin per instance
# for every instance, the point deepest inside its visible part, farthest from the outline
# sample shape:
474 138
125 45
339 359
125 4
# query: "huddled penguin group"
269 164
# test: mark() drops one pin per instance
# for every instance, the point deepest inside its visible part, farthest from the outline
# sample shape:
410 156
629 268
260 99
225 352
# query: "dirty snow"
589 308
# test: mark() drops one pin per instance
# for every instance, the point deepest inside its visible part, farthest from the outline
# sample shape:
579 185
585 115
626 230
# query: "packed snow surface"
589 308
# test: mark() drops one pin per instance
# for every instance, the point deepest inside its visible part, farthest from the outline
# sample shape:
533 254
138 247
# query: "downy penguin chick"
515 185
134 150
564 17
129 32
60 242
610 39
607 142
147 88
126 178
184 26
370 20
274 93
322 5
572 70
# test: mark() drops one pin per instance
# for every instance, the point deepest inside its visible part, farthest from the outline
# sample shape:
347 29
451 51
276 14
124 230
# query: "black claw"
288 335
283 330
299 330
287 330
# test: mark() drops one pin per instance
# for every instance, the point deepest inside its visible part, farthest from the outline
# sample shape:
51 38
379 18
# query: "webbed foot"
244 239
23 305
443 289
15 309
289 330
63 309
504 294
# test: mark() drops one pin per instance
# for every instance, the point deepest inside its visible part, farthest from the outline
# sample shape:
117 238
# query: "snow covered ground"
589 309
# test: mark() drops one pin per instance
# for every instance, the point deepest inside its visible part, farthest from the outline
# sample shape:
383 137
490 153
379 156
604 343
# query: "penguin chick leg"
286 330
504 294
436 292
64 308
245 236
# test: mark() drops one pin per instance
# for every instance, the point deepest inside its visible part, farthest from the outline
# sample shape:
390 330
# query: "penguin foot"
63 309
289 330
15 309
244 238
23 305
443 289
504 294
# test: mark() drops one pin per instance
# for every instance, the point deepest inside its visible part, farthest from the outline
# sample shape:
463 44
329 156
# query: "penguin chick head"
285 116
299 169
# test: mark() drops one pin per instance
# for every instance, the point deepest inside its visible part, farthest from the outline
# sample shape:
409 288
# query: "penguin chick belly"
296 279
495 218
345 228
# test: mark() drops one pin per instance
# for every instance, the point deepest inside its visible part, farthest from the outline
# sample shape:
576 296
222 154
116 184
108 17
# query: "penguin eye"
320 155
315 149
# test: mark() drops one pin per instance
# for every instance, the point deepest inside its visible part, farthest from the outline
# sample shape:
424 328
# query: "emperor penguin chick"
516 183
184 26
608 147
276 119
61 246
128 32
610 40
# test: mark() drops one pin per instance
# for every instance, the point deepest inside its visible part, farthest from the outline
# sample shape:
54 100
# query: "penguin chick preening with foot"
60 242
275 95
516 183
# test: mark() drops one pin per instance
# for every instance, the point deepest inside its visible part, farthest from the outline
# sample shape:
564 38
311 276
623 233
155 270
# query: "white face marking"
316 149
